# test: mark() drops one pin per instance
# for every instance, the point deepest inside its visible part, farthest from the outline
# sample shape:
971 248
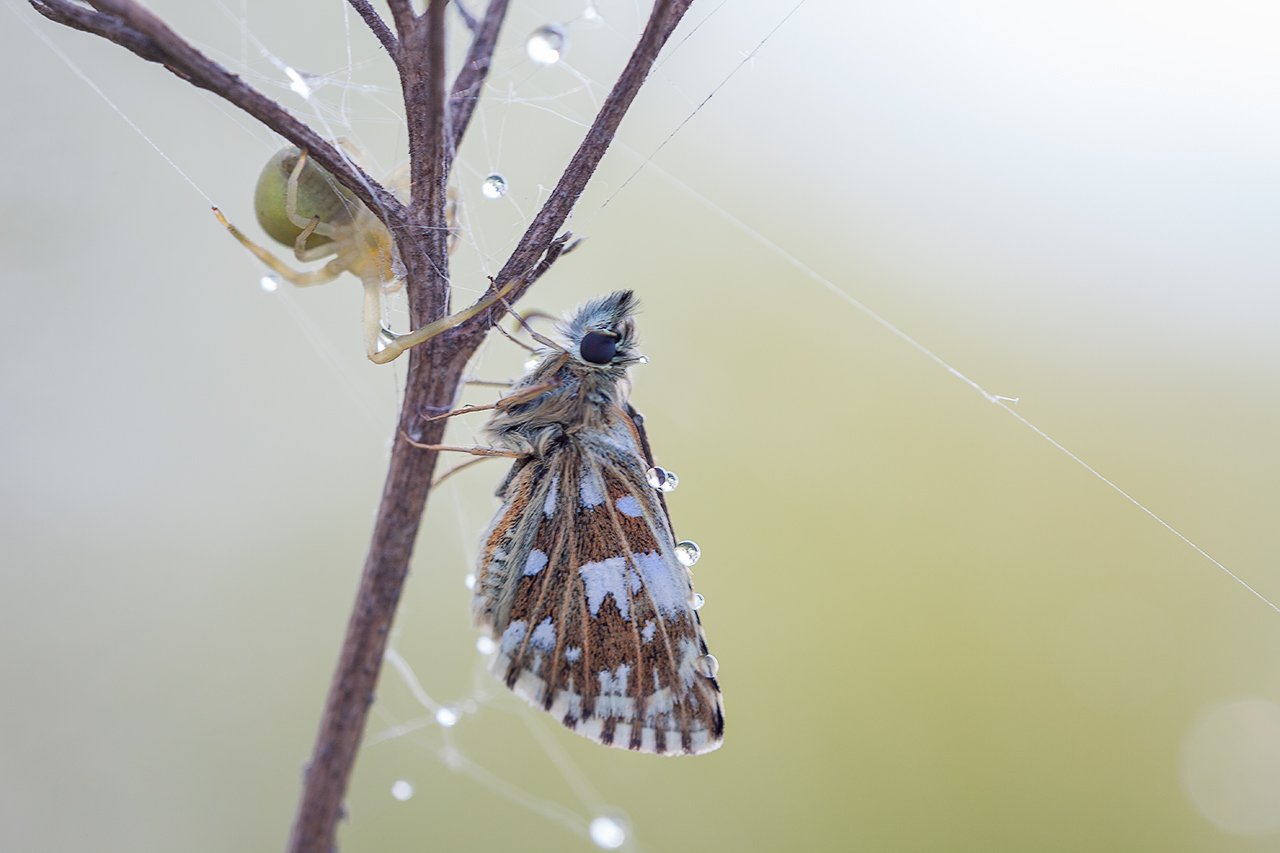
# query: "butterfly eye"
598 347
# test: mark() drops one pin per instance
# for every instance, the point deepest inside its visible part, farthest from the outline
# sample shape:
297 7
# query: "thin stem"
467 18
403 15
379 27
475 68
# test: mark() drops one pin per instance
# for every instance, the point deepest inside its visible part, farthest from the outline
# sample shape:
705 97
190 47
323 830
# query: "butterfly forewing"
591 610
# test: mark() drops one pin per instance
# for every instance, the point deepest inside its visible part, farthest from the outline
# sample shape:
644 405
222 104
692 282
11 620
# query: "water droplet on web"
447 717
450 757
402 790
269 283
591 13
608 833
697 601
297 82
546 44
662 479
486 645
494 186
470 580
688 552
644 359
707 665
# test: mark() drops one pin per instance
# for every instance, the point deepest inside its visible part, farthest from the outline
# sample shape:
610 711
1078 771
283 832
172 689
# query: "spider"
301 205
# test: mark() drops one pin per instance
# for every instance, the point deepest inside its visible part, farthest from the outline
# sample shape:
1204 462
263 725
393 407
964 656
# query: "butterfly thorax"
578 400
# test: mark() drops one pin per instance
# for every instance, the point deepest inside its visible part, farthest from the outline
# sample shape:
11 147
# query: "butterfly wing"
580 586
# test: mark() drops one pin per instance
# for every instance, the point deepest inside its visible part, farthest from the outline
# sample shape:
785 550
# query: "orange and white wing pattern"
592 610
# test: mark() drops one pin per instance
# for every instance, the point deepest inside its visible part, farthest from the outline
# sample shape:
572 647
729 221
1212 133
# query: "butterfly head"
601 336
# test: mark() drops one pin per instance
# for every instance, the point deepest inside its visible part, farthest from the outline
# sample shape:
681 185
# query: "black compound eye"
598 347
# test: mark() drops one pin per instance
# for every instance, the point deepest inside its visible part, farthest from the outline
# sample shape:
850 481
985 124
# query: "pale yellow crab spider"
301 205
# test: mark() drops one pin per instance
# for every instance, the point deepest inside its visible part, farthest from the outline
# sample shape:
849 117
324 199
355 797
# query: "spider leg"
371 317
326 273
300 242
398 344
324 229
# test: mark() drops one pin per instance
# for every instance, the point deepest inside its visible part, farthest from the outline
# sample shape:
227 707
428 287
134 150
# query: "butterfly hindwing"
591 610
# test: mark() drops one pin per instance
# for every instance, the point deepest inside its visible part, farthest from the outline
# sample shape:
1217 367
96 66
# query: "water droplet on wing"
697 601
707 665
688 552
662 479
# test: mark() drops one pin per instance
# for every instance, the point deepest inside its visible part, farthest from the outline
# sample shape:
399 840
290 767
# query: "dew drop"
546 44
269 283
688 552
644 359
608 833
532 363
297 82
470 580
402 790
707 665
662 479
486 646
591 13
386 338
494 186
447 717
697 601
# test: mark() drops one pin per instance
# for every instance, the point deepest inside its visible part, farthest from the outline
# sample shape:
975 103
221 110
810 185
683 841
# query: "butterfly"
580 581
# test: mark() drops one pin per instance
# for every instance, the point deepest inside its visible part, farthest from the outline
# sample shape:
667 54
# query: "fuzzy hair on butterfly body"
579 582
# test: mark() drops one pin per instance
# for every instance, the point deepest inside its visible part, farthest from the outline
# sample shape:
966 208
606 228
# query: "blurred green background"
936 631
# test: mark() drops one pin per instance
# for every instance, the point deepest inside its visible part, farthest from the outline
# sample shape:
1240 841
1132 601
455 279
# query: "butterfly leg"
474 451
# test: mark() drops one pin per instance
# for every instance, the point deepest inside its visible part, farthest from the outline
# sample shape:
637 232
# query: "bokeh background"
936 631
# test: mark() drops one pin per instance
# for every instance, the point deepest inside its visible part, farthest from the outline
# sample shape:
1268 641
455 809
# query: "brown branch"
541 232
436 124
475 68
86 20
135 28
467 18
422 78
403 15
379 27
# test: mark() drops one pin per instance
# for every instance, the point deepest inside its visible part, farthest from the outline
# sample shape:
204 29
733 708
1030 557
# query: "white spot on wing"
649 628
614 683
613 700
553 497
591 488
667 587
609 577
544 636
537 562
512 637
572 654
628 505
